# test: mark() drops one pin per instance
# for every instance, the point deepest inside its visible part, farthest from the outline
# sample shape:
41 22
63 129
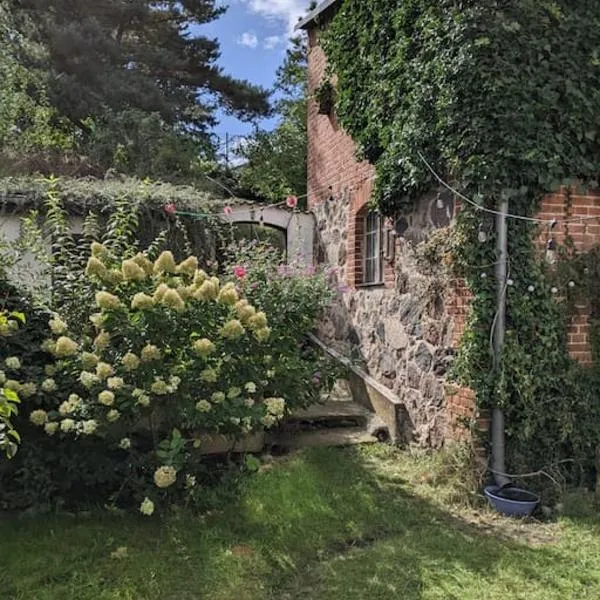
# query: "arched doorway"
293 230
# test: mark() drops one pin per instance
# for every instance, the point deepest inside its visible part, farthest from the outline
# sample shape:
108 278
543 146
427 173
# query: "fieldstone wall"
400 333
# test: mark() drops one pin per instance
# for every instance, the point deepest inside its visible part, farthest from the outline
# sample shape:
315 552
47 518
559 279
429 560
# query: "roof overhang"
314 13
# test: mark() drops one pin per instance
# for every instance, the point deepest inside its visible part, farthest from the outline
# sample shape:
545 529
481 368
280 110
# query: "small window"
372 249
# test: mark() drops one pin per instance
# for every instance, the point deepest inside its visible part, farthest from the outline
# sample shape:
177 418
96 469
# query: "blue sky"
253 35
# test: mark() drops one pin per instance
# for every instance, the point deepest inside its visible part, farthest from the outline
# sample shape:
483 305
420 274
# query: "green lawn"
362 524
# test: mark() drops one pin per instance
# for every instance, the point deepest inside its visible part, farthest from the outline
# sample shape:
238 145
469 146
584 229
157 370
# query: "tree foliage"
130 85
276 160
140 54
27 120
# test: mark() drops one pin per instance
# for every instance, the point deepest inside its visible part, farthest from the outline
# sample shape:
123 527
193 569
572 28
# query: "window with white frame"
372 249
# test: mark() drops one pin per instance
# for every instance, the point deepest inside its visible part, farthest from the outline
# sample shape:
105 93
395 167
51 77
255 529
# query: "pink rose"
291 201
228 210
170 208
239 271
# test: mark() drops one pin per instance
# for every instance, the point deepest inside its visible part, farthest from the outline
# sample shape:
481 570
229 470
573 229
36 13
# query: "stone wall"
399 332
404 332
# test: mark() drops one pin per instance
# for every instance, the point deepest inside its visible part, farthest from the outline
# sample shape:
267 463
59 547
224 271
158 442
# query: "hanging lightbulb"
571 284
440 202
484 276
531 289
554 290
550 251
481 236
510 282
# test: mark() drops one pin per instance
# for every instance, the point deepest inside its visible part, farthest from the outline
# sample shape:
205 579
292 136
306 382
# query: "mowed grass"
333 524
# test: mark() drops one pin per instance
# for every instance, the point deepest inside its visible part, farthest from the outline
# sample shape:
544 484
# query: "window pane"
372 249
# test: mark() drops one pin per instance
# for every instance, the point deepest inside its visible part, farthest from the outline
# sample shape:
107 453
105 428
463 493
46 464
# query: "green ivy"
502 99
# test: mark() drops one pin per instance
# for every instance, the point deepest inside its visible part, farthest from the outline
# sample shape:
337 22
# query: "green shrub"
170 356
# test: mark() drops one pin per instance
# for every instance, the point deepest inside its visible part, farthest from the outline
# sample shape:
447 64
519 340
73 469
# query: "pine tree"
116 55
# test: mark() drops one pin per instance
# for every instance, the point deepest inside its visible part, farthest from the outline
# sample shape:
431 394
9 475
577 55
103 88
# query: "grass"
324 524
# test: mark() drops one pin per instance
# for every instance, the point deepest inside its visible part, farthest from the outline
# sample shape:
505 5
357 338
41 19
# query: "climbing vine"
501 99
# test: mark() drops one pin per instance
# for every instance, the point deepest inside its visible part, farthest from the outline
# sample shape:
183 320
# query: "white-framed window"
373 249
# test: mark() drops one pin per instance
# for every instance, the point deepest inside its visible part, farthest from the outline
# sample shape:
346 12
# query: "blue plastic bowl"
511 501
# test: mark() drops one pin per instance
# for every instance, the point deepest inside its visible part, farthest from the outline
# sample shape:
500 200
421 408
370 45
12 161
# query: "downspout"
498 438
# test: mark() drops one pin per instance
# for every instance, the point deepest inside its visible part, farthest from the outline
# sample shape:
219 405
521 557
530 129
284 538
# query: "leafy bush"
293 295
9 437
171 355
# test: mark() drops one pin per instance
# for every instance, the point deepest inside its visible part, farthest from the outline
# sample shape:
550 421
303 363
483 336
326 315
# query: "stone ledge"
373 395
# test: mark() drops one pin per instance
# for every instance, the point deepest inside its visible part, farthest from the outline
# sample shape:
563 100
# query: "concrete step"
320 438
333 410
341 392
335 416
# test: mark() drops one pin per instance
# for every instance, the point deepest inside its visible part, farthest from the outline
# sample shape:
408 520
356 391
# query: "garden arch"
298 227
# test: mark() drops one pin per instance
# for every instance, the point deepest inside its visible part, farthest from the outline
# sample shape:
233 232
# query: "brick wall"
339 187
585 235
332 165
334 172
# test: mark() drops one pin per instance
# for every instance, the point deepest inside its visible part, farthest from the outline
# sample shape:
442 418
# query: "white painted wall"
28 271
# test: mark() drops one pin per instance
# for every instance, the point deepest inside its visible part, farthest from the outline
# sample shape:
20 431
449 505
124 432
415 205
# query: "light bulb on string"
551 251
440 202
481 236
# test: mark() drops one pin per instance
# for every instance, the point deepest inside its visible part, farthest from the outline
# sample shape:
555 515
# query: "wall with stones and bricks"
399 331
405 331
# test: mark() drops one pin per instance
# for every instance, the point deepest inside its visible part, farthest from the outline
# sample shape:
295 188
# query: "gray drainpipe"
498 438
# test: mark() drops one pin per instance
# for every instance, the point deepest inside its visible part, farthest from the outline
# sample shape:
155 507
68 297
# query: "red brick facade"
334 173
585 235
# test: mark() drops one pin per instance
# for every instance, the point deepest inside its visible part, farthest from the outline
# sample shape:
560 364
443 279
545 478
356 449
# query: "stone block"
413 375
395 336
423 357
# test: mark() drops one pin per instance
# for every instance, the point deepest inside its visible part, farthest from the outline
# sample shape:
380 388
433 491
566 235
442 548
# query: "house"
392 315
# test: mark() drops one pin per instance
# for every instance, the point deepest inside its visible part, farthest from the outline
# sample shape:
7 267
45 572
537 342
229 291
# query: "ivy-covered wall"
400 98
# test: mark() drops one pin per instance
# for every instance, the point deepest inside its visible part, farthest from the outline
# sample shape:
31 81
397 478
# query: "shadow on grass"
338 530
319 525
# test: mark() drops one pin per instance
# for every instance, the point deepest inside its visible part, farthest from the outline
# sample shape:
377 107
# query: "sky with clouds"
253 35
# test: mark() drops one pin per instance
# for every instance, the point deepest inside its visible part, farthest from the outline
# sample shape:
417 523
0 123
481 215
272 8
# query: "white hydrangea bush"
170 349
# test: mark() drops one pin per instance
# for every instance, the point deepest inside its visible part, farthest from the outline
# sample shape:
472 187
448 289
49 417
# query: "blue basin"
512 501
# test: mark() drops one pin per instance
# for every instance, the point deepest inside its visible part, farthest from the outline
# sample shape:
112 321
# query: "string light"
491 211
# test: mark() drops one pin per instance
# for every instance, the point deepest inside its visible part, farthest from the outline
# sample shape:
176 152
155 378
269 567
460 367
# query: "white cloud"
272 41
287 11
248 39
